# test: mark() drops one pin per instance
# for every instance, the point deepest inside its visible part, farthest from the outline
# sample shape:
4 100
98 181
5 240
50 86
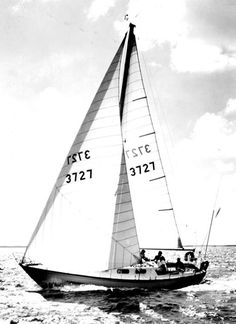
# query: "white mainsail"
154 213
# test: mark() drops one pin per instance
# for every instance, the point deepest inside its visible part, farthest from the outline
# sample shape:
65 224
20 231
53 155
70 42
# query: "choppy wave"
213 301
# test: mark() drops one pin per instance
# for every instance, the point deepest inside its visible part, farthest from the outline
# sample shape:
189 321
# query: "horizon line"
191 245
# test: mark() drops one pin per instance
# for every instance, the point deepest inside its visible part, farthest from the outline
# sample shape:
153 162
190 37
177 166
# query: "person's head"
142 251
178 259
159 253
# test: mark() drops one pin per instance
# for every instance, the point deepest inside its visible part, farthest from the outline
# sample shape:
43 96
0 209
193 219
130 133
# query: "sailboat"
112 179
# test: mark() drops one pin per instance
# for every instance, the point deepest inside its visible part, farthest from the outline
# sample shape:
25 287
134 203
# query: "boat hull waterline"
49 278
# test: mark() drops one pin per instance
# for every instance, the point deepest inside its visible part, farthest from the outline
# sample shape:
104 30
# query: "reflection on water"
214 301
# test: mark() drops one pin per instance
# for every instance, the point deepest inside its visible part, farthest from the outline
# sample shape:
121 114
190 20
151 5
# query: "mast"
130 41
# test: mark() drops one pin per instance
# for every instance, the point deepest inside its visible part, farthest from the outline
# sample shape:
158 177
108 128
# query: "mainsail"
112 172
153 209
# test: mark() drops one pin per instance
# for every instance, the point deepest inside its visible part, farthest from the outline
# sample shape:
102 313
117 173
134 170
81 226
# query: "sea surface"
214 301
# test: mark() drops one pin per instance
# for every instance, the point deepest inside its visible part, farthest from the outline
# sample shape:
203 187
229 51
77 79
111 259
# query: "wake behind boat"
112 178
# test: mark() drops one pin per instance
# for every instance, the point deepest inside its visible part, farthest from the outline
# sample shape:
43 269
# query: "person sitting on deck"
162 269
179 266
143 258
189 256
157 257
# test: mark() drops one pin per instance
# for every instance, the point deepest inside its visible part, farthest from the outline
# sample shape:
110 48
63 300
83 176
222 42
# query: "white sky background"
53 55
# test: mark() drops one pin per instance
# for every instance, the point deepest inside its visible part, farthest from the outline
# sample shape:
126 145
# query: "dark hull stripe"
47 278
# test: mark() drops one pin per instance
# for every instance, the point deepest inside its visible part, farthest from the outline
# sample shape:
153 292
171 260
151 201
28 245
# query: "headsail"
74 231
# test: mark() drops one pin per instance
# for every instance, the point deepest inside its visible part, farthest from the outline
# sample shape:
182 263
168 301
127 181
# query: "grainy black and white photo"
118 159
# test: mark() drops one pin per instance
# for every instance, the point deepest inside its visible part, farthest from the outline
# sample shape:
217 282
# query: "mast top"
131 26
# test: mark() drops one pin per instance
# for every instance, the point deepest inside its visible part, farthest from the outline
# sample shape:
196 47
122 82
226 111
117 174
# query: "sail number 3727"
78 176
143 168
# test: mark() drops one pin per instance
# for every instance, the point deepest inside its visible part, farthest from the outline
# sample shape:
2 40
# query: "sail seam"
127 247
123 212
125 230
138 127
95 138
137 118
123 183
100 109
106 90
95 146
99 100
129 237
131 92
134 108
123 193
97 128
138 80
123 202
124 221
99 118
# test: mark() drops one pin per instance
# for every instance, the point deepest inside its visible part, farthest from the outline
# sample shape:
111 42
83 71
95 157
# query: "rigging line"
214 215
40 221
158 147
162 111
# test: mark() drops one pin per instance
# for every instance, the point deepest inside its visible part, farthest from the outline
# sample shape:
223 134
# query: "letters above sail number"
78 156
137 151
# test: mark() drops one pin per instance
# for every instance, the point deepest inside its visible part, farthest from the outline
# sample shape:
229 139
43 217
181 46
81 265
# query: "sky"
53 55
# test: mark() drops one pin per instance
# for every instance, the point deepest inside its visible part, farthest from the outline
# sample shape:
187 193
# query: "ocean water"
213 301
